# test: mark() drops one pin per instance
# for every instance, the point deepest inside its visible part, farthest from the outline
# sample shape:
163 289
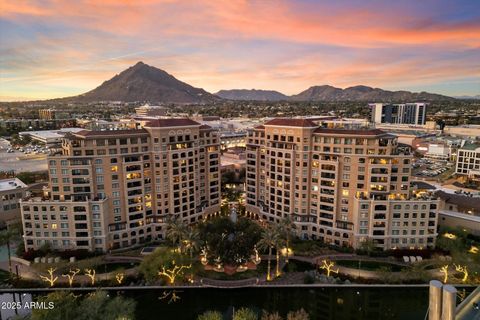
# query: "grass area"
109 267
298 266
369 265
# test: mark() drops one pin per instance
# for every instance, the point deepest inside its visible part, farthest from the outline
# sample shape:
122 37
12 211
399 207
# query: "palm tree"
286 225
279 243
191 241
176 231
268 241
6 236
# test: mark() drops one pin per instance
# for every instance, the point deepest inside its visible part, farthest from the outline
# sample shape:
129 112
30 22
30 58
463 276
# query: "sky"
55 48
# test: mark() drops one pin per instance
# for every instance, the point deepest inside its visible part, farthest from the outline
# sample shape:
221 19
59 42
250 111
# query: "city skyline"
57 49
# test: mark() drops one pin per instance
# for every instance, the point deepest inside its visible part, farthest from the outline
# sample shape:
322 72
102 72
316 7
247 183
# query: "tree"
271 316
368 246
279 243
176 231
298 315
328 265
245 314
158 259
267 242
94 306
286 225
191 241
210 315
6 237
51 278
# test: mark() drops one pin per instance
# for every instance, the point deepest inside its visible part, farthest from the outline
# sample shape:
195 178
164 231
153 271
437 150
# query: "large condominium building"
404 113
338 185
112 189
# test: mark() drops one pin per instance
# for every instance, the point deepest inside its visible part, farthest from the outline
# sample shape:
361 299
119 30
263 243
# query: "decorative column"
435 300
449 302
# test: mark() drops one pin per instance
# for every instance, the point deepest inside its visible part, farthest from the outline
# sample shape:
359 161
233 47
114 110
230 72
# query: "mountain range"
145 83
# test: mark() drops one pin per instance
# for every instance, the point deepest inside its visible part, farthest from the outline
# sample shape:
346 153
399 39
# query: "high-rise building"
112 189
403 113
342 186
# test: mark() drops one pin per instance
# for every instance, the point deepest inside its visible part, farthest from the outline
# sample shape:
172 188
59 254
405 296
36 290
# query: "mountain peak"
142 82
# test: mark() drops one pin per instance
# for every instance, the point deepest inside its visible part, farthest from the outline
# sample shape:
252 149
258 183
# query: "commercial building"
11 192
342 186
406 113
49 137
115 189
468 159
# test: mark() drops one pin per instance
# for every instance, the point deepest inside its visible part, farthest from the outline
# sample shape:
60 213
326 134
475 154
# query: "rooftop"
472 203
51 134
11 184
110 133
171 122
290 122
470 146
352 132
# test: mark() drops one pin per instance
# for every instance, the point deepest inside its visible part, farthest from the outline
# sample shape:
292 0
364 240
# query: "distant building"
151 111
232 140
53 114
11 192
49 137
406 113
468 158
459 211
440 151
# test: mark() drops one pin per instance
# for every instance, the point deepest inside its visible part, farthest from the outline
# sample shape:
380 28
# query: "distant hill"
364 93
477 97
252 94
142 82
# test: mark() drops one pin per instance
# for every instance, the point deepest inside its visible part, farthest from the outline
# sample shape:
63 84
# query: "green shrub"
210 315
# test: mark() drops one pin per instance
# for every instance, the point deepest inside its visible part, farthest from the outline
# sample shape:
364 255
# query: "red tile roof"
205 127
172 122
113 133
291 122
352 132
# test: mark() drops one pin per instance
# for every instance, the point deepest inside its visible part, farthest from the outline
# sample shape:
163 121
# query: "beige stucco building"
114 189
339 185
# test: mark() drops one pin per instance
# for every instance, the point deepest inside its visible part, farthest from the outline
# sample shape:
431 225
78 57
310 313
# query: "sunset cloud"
53 48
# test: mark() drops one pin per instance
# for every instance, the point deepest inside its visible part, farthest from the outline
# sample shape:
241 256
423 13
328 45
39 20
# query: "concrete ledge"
22 261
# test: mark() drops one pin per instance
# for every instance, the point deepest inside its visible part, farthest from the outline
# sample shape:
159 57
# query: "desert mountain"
364 93
252 94
142 82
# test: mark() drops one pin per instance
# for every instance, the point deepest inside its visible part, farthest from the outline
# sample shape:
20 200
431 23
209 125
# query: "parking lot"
431 168
21 161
